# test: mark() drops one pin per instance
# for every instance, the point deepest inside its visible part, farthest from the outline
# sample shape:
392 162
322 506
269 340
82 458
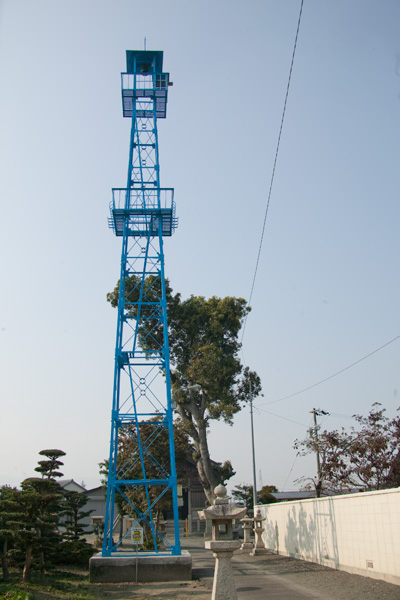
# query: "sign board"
137 536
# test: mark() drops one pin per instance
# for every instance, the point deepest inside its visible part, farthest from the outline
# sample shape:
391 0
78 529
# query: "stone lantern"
222 544
259 547
247 527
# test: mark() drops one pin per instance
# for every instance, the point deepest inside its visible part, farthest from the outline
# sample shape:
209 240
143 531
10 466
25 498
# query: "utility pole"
317 412
253 451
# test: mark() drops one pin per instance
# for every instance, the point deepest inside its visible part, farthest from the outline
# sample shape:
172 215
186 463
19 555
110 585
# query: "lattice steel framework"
142 213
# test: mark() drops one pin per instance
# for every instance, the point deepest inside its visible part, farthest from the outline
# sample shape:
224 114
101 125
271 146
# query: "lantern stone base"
222 545
256 551
123 569
246 546
223 584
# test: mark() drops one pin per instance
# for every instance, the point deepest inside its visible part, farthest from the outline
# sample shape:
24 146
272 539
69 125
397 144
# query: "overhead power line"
274 167
279 416
310 387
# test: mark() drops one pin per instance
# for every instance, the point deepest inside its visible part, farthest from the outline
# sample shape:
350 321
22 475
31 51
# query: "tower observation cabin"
142 481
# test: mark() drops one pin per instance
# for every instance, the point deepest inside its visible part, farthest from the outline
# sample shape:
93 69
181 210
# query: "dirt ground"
301 580
265 576
196 590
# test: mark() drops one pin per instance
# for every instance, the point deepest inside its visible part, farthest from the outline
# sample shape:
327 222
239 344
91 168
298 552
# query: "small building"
306 494
193 497
71 486
289 496
96 502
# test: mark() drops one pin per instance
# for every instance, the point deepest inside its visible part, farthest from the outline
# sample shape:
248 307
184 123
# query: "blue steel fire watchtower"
142 213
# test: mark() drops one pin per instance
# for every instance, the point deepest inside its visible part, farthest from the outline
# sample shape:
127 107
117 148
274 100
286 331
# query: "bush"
75 552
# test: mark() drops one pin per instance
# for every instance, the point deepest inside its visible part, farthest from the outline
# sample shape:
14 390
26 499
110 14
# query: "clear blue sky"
327 291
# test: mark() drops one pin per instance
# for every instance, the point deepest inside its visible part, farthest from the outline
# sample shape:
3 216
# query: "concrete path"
271 577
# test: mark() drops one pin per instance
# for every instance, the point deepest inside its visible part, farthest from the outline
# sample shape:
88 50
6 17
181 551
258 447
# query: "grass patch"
66 584
15 595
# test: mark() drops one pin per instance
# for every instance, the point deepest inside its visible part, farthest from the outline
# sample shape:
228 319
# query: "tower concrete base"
125 569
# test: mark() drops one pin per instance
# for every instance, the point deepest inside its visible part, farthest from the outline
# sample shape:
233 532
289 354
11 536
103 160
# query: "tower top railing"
151 86
143 199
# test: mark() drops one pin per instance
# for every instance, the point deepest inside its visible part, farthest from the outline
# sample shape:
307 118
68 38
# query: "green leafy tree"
366 456
74 547
29 520
37 537
265 494
36 526
48 468
209 382
72 513
10 518
244 494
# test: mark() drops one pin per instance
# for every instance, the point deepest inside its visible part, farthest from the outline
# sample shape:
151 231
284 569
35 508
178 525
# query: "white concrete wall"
358 533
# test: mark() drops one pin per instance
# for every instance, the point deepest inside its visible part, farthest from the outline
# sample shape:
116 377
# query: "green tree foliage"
72 513
30 517
366 456
37 537
39 501
244 494
265 494
10 517
48 468
74 547
204 352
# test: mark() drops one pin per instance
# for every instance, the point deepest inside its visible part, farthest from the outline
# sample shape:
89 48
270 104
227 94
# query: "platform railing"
149 81
156 198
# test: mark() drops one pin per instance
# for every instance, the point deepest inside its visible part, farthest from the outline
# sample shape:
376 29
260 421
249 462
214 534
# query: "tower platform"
144 208
142 87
